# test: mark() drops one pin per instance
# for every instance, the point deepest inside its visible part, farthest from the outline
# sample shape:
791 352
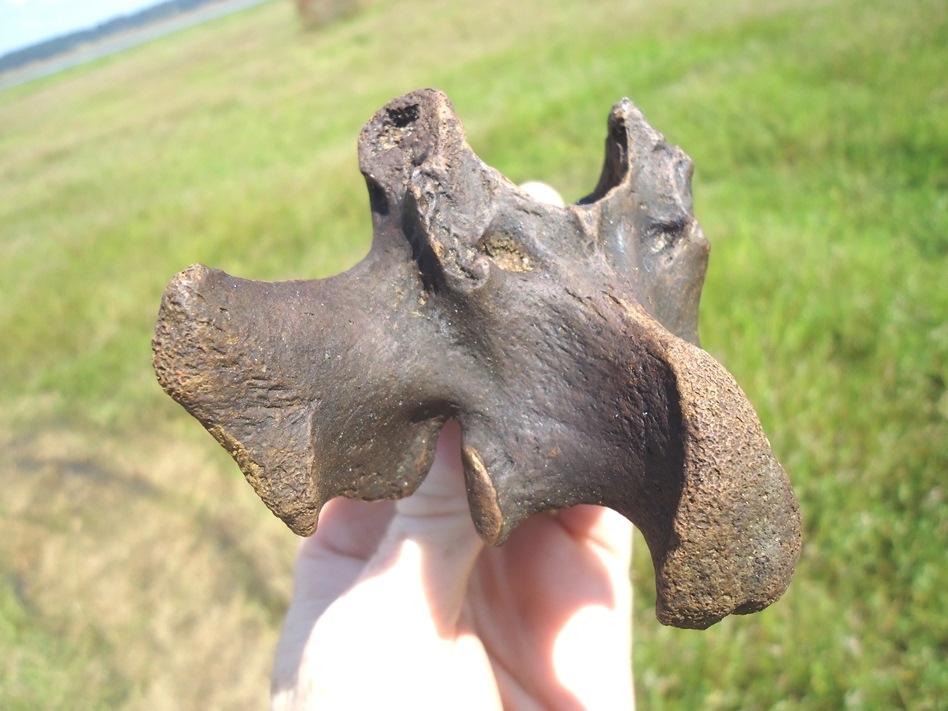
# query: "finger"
605 683
327 564
403 607
608 531
431 546
565 576
352 529
602 680
442 497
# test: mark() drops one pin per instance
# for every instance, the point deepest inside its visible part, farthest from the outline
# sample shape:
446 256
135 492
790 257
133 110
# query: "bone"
563 339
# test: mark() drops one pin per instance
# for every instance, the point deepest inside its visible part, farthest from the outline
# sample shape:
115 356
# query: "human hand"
401 604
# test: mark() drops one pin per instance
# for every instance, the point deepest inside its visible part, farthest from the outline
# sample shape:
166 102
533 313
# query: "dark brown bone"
564 341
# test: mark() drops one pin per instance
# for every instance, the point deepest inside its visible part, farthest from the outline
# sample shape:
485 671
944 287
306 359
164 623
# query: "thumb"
441 500
431 542
403 608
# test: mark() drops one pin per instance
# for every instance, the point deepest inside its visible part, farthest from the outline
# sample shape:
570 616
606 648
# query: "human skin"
401 603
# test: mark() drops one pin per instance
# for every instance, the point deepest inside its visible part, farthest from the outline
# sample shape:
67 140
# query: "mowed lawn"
138 570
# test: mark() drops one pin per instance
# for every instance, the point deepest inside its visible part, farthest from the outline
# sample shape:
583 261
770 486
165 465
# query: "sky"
26 22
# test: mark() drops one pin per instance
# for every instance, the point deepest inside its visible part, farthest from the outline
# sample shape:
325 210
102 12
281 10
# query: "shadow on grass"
110 560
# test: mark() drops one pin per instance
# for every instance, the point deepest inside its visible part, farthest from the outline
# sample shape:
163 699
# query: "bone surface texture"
564 340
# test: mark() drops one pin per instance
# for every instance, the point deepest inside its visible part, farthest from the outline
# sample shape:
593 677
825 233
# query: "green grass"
820 133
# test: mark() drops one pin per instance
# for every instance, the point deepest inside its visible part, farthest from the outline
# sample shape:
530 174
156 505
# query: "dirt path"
123 41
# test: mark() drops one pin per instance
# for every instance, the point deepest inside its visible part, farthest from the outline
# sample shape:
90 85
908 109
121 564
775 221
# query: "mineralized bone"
562 339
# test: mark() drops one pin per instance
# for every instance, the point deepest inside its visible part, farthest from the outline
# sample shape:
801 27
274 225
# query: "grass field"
137 570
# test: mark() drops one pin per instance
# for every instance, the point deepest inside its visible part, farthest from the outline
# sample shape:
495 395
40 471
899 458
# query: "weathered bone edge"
563 340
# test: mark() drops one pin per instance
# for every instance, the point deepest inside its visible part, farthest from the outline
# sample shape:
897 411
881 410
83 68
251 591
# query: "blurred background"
138 570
